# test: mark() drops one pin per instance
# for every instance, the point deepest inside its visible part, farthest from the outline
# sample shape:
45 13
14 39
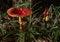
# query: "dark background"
5 4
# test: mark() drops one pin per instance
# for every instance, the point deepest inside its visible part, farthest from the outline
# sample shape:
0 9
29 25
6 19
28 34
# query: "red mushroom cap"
19 12
45 13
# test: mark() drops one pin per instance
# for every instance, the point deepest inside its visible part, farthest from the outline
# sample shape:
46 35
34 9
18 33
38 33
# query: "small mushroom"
46 14
19 12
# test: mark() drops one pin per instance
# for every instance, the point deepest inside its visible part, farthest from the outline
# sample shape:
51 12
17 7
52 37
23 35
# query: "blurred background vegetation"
35 29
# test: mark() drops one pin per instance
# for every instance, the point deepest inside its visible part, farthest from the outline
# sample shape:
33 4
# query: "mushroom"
19 12
46 14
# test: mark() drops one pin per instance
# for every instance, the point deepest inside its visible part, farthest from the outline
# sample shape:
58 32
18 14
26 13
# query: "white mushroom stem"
20 22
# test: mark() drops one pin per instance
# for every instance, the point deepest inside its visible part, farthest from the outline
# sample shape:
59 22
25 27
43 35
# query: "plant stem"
20 22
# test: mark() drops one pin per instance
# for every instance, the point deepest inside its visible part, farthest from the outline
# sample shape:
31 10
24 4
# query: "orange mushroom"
19 12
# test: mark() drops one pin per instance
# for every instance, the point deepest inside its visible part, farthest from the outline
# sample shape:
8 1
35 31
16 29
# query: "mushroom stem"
46 18
20 22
